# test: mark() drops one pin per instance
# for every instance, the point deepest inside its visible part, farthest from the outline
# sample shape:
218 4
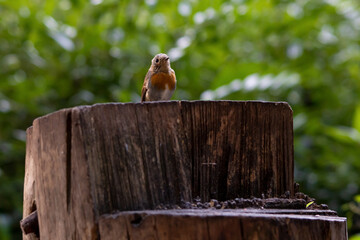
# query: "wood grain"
63 197
29 203
146 154
88 161
221 224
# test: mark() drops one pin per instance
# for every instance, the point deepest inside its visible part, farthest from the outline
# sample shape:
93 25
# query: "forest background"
59 54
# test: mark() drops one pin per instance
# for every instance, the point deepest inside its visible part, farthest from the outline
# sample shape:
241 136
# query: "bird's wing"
145 86
174 77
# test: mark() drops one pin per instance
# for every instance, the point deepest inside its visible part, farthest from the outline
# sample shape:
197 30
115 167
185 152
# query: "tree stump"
87 162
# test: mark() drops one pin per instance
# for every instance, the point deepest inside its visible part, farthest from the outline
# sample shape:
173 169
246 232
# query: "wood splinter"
30 224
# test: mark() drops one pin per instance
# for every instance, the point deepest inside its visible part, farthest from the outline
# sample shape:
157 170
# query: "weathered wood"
96 159
215 224
93 160
63 194
145 154
239 149
29 203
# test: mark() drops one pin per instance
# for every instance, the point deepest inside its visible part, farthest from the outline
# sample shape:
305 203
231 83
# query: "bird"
160 80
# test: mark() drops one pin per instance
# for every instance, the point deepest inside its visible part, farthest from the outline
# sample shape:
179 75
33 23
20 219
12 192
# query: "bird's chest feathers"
163 80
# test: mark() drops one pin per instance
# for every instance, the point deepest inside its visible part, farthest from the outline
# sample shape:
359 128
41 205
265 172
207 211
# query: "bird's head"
161 62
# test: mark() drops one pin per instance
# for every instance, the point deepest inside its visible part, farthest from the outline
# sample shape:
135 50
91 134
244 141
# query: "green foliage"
58 54
355 237
352 210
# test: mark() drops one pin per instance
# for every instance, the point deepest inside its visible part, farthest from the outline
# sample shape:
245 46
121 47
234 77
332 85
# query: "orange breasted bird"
160 80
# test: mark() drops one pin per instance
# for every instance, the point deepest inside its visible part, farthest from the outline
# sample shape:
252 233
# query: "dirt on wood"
300 201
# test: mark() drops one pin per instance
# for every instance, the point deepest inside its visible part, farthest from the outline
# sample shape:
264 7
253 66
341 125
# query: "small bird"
160 80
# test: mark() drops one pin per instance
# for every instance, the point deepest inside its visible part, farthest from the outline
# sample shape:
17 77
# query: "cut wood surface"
87 161
221 224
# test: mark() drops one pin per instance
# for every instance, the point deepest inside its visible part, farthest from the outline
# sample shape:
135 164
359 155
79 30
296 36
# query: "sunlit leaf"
356 121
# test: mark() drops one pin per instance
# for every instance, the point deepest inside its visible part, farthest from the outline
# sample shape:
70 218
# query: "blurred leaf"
356 121
355 237
344 134
357 198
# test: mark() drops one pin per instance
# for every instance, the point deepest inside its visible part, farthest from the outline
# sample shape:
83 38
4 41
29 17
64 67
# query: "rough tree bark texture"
92 160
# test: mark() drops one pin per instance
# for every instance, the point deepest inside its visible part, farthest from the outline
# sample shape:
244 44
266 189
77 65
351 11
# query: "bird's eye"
157 60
